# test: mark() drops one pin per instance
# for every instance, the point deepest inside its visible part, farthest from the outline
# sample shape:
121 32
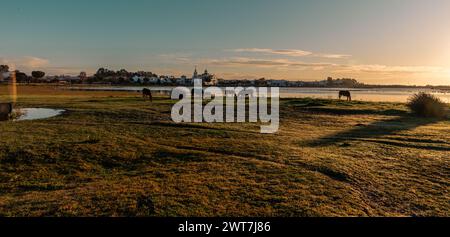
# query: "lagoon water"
376 95
37 113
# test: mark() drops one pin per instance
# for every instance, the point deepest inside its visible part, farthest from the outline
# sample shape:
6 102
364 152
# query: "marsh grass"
427 105
113 154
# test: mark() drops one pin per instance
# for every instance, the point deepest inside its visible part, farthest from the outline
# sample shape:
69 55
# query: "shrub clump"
427 105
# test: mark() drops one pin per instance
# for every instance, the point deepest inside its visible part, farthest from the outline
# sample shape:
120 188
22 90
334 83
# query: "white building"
153 80
164 80
182 80
277 83
137 79
207 78
4 76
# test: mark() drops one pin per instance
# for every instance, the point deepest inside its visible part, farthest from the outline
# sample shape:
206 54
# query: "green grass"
113 154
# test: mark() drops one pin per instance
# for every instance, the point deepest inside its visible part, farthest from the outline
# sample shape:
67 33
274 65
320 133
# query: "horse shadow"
373 132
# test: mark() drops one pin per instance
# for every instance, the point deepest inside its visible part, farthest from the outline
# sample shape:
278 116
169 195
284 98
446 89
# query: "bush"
427 105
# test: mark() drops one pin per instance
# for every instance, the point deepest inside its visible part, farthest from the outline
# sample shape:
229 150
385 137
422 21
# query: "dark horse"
345 94
5 110
147 93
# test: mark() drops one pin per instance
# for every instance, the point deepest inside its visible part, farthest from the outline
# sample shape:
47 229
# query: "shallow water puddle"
36 113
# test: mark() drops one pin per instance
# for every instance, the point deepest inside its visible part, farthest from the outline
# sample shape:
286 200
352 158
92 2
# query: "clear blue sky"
375 41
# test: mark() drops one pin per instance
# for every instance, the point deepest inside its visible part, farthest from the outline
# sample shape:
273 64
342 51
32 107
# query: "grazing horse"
345 94
147 93
5 110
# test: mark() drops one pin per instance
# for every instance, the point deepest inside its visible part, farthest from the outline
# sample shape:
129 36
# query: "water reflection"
363 94
36 113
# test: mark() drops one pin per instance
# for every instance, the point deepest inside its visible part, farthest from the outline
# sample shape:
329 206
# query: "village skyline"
123 76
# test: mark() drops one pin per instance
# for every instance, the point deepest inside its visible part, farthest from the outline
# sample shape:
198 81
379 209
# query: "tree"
102 73
83 76
121 80
261 82
122 73
330 81
21 77
4 68
38 74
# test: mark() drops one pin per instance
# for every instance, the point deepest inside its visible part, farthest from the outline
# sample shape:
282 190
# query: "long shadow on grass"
375 131
339 111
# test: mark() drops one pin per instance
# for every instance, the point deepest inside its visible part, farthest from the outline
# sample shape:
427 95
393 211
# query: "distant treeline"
124 77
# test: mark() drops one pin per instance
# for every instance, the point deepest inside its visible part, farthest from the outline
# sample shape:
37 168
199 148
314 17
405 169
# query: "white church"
207 78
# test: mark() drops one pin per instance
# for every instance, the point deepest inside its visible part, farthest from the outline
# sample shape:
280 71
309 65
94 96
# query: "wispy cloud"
27 62
291 53
35 62
333 56
326 67
265 62
288 52
376 68
182 57
31 63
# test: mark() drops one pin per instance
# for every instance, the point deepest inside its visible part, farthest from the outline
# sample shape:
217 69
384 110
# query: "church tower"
195 76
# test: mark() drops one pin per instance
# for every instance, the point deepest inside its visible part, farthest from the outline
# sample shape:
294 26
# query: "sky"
376 42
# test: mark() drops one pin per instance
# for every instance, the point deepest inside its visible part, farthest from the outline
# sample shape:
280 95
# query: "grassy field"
113 154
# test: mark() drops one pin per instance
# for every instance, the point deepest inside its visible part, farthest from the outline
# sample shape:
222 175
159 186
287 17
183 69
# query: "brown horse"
147 93
5 110
345 94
